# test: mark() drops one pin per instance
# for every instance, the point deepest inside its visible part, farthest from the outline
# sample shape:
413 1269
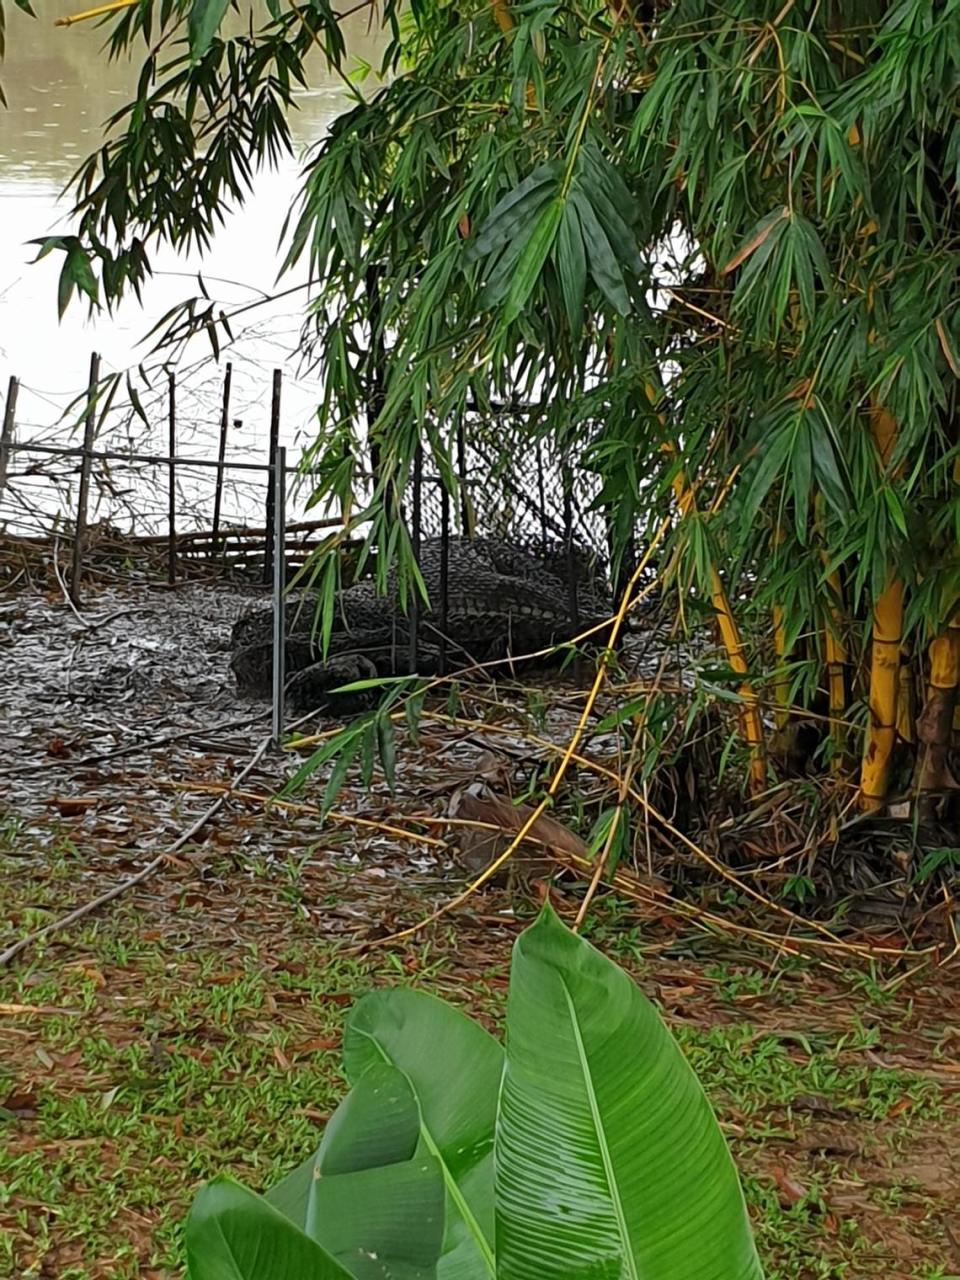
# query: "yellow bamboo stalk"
936 722
501 11
906 698
884 658
751 721
781 681
835 656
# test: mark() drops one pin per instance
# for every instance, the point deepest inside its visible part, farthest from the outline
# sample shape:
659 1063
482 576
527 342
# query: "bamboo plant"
753 205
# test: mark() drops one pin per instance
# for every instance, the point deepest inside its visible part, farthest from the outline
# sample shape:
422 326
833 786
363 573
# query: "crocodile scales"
503 600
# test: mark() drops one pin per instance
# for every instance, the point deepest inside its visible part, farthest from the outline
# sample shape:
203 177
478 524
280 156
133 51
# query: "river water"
60 88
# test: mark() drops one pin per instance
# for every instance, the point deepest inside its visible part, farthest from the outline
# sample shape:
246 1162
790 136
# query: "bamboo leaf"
203 24
519 206
532 259
571 258
604 267
758 237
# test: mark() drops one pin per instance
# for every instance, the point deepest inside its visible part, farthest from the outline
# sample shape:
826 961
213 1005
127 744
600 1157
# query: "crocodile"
502 600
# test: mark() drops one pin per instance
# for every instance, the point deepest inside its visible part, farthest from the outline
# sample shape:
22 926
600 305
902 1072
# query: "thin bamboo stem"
781 680
751 721
884 658
835 654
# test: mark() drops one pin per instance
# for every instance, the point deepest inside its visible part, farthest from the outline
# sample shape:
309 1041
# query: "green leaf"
532 259
366 1195
519 206
772 460
377 1124
342 741
801 474
607 1148
454 1068
387 745
341 768
571 258
604 267
895 508
232 1234
382 1224
203 24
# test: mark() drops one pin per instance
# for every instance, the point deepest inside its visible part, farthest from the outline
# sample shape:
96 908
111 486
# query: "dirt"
123 724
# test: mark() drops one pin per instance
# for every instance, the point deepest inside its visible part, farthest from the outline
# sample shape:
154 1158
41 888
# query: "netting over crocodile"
501 600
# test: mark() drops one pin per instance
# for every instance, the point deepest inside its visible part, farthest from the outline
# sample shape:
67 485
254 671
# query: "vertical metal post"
542 497
279 487
172 478
444 571
270 546
572 601
465 516
221 454
6 434
415 538
89 427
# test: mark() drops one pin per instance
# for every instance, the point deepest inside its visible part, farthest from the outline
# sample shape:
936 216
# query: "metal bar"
542 497
572 601
89 427
221 454
465 516
150 458
6 434
444 572
416 522
279 574
274 445
172 479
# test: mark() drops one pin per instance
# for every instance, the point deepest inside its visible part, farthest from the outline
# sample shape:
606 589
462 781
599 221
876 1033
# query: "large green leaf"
363 1196
233 1234
382 1224
610 1163
454 1068
571 258
377 1124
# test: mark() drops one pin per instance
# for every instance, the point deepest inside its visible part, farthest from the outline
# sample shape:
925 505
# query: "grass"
198 1029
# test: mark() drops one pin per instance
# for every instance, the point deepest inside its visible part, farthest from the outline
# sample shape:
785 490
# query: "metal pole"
279 608
568 545
89 428
172 479
444 571
417 515
270 548
6 435
221 454
462 472
542 497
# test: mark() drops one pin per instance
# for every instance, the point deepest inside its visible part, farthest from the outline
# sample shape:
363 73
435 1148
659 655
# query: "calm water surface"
60 88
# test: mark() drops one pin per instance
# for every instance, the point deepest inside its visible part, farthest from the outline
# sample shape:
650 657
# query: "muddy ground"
193 1024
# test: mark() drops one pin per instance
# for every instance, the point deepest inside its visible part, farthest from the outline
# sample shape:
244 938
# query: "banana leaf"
374 1204
377 1124
610 1162
234 1234
454 1067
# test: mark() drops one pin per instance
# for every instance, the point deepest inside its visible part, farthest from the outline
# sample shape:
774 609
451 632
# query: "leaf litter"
194 1024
